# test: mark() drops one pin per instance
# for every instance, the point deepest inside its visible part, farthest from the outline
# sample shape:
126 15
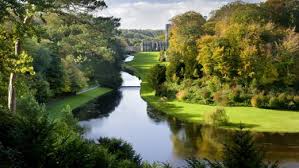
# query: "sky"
154 14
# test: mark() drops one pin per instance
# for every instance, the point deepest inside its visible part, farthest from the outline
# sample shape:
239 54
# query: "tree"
242 152
93 44
74 79
288 14
241 12
21 14
243 52
287 59
156 76
185 30
29 139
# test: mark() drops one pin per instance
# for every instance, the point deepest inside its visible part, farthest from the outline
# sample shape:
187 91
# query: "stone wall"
147 46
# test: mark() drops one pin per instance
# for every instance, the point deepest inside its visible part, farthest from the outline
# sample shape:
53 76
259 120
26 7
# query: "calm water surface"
124 114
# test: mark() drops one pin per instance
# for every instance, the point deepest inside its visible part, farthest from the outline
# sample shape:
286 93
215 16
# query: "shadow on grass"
171 109
162 105
240 125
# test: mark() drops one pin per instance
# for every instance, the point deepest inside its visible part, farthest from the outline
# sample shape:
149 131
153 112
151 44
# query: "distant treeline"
133 37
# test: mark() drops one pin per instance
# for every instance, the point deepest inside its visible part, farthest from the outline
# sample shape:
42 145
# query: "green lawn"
55 106
260 120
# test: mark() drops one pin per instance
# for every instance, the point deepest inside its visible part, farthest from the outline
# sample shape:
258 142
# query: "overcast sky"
154 14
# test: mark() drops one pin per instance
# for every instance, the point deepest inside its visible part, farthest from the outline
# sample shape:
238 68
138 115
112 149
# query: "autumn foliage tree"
244 49
185 31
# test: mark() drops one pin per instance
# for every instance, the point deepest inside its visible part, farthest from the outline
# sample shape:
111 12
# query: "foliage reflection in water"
157 137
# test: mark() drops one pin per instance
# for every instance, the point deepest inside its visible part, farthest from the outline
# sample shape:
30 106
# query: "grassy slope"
55 106
262 120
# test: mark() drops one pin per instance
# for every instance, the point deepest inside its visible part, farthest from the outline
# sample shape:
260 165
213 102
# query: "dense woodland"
244 54
48 49
60 52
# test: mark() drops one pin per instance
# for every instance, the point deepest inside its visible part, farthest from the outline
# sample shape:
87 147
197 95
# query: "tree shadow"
240 125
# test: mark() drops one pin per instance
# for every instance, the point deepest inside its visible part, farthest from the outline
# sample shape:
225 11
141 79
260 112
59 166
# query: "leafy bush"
42 87
283 101
121 149
213 84
165 91
217 117
181 95
296 101
206 96
162 57
113 80
157 76
239 94
29 140
221 98
74 78
209 91
274 103
259 101
292 106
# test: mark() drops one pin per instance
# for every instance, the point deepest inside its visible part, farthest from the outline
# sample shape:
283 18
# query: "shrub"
162 56
181 95
291 105
213 84
35 141
282 98
164 91
42 87
206 96
259 101
157 76
217 117
221 98
239 95
121 149
274 102
235 94
296 101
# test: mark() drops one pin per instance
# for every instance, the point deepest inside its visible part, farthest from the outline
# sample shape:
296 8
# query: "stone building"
155 45
147 46
167 34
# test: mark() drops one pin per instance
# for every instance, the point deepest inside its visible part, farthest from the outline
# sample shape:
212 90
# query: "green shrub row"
211 92
276 101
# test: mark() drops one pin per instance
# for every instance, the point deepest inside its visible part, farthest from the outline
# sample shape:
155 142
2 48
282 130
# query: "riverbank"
54 107
259 120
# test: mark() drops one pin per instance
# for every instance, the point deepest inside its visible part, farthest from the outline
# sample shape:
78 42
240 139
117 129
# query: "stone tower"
167 34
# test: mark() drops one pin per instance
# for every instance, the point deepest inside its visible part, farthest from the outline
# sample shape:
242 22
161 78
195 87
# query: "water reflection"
100 107
204 141
158 137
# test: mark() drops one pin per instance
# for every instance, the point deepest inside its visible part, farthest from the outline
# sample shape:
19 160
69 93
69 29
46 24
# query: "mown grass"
259 120
55 106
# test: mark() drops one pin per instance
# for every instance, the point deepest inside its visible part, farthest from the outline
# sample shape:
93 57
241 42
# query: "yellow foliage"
180 96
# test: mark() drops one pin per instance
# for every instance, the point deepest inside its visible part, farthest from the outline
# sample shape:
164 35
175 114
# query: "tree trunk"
12 94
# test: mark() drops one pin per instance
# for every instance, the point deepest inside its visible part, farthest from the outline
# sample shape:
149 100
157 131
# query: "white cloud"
154 14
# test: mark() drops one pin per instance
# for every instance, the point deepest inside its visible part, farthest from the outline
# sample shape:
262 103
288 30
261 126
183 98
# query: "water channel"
157 137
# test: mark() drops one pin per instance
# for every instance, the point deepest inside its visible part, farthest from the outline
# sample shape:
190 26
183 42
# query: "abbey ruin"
155 45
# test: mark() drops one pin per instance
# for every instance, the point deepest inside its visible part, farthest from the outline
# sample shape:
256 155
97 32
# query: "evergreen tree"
242 152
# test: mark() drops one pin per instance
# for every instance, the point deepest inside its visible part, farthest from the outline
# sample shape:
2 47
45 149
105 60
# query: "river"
157 137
